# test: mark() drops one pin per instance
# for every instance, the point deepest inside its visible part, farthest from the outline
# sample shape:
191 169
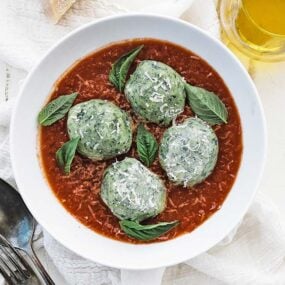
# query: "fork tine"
15 262
10 270
22 260
7 278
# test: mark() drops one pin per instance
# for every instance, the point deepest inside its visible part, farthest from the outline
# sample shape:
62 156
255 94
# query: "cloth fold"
28 32
255 250
252 254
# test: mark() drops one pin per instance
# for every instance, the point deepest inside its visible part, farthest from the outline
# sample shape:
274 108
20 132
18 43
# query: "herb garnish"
56 109
146 232
147 145
206 105
120 68
65 155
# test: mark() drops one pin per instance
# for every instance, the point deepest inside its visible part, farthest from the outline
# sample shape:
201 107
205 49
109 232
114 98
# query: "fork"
17 225
14 268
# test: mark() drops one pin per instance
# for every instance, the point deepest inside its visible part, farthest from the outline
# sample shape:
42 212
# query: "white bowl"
39 197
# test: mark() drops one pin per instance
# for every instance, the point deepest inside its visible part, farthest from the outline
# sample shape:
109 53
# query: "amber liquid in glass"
261 24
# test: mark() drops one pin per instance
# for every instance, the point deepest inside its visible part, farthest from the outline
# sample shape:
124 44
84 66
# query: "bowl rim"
233 223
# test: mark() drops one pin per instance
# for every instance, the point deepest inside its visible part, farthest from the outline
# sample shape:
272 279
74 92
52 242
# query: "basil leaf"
206 105
146 232
147 145
65 155
56 109
120 68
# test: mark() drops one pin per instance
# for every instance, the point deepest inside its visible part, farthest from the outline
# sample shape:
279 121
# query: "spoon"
18 225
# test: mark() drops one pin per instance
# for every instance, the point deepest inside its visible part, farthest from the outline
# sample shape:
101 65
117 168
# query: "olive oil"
261 24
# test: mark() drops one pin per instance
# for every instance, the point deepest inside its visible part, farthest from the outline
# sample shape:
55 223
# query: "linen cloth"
252 254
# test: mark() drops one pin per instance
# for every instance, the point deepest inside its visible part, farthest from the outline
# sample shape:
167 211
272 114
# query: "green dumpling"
156 92
188 152
104 129
131 191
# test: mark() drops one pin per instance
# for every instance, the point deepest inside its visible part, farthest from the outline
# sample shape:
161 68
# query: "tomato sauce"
79 192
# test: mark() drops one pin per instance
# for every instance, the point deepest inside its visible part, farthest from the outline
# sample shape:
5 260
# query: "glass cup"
254 27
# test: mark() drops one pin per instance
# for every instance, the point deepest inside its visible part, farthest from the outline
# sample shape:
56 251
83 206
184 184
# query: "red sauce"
79 192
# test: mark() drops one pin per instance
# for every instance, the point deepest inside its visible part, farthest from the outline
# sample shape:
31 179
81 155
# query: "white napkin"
253 254
27 33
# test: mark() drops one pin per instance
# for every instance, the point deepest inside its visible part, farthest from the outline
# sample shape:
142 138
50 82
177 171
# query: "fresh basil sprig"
206 105
65 155
146 232
56 109
147 145
120 68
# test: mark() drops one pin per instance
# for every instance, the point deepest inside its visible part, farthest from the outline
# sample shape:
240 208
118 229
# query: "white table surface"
270 81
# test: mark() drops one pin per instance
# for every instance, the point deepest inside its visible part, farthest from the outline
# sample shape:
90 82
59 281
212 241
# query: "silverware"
14 267
17 225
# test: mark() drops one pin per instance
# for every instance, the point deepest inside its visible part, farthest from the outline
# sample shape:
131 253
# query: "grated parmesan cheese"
131 191
188 152
156 92
104 129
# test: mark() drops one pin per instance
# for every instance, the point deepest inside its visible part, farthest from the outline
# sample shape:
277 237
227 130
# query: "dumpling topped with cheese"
132 192
156 92
104 129
188 152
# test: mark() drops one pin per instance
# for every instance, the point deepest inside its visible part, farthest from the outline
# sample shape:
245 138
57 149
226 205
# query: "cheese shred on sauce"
79 192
